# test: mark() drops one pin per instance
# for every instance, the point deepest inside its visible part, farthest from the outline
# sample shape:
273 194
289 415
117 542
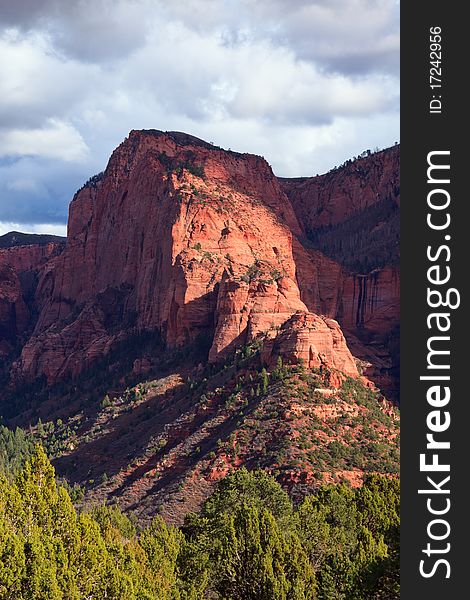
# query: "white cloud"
306 84
56 140
349 36
36 83
320 30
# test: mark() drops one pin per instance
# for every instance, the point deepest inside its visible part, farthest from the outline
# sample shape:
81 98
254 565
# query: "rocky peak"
184 239
148 246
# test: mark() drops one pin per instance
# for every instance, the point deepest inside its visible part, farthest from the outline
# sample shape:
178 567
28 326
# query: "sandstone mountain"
189 240
179 257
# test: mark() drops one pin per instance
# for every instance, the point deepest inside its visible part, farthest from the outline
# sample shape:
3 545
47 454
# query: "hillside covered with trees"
248 542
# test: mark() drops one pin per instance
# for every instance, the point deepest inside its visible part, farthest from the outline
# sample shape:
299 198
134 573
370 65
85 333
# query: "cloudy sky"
305 83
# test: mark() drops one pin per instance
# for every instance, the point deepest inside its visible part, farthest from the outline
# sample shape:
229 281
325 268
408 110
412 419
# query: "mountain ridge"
17 238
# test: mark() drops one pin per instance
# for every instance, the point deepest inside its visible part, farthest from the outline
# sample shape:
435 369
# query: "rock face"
351 215
315 341
371 303
175 236
185 239
31 257
19 270
14 313
357 200
245 310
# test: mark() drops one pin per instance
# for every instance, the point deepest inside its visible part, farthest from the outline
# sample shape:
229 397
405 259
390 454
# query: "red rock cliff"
176 236
19 269
342 202
351 214
181 237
